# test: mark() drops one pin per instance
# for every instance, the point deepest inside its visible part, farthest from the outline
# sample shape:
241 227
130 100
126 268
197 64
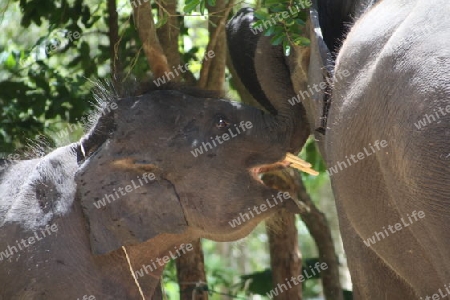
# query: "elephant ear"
331 20
125 202
329 23
321 66
321 56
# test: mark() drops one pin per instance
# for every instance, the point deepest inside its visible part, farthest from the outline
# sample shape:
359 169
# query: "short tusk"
131 164
299 164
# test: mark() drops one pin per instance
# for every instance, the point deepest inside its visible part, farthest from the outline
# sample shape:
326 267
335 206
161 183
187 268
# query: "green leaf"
300 22
289 22
94 20
190 5
85 50
278 28
278 38
261 14
260 282
8 60
269 3
257 24
301 41
85 15
162 20
270 31
202 7
278 8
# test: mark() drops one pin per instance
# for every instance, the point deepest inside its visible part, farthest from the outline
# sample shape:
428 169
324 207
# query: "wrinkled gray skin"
399 64
192 197
398 75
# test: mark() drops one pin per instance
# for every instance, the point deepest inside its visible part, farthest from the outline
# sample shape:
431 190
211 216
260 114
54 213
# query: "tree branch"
143 19
191 273
215 37
113 34
285 257
168 33
290 181
318 227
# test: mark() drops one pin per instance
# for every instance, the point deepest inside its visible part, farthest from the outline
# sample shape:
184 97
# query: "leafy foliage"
261 283
36 93
284 21
311 154
191 5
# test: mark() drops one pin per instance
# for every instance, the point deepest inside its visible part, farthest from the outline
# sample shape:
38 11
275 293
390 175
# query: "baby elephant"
99 218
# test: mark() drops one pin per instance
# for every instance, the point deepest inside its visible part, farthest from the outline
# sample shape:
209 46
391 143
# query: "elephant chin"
235 235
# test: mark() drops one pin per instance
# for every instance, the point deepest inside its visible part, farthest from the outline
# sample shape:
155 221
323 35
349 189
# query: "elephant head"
155 171
172 159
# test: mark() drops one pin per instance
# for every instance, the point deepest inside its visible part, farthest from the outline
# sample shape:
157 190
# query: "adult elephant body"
384 133
399 64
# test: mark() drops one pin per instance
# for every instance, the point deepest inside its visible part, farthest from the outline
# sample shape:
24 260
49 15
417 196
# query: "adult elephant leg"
423 198
397 77
385 263
371 278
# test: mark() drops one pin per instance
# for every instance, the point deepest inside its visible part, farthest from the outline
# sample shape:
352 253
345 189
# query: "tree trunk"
168 34
143 20
190 266
191 274
290 181
212 74
285 258
320 231
113 35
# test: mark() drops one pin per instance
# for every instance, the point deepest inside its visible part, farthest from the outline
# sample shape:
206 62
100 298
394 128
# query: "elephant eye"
222 122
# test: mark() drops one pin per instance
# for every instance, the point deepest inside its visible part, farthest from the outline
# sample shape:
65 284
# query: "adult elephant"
379 107
99 219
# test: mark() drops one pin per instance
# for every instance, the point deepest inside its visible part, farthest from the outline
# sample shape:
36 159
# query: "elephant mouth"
290 161
300 164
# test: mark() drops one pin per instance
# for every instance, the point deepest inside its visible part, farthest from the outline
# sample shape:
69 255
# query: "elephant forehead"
156 120
171 105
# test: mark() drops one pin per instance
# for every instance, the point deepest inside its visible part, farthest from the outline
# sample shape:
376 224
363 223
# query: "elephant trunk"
264 71
275 79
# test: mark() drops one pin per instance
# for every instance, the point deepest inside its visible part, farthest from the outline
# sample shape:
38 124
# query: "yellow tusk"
300 164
